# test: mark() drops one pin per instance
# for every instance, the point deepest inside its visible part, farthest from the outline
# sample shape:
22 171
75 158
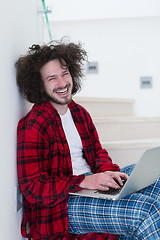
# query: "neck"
61 109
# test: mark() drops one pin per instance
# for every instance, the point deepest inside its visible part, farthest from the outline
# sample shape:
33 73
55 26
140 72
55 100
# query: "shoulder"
77 108
79 113
39 117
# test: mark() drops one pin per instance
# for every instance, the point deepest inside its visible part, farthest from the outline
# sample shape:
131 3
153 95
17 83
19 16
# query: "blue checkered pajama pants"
136 216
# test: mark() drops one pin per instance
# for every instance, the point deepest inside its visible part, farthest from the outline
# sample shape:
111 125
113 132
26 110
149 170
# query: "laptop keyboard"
111 191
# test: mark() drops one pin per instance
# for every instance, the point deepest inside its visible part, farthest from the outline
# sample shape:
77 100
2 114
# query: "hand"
104 180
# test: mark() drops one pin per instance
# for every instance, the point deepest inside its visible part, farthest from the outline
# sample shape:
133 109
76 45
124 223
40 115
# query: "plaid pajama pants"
136 216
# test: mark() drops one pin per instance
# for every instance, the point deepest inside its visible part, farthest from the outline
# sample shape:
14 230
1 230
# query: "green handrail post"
47 21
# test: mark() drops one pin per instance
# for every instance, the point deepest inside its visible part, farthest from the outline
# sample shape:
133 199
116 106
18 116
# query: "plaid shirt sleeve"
37 184
103 162
96 156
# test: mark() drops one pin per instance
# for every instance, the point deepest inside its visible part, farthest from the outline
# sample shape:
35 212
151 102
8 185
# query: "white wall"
20 27
72 10
125 48
125 45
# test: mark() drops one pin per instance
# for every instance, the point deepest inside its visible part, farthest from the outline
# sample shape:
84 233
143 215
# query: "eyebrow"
66 70
50 76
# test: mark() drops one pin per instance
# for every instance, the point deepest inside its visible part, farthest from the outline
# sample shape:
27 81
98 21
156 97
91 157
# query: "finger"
118 181
110 180
103 187
115 174
121 178
113 184
120 174
124 176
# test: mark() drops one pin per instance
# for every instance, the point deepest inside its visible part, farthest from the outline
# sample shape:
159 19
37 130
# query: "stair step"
126 152
105 107
132 144
124 128
124 136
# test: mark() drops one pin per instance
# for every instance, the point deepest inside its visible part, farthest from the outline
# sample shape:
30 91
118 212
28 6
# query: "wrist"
83 183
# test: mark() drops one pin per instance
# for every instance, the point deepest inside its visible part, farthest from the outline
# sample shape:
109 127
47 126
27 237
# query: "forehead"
52 67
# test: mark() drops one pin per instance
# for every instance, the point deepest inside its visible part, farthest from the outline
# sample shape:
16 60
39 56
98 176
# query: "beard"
60 101
65 101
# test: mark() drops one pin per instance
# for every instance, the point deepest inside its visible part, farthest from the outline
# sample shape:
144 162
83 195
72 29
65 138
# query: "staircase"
124 136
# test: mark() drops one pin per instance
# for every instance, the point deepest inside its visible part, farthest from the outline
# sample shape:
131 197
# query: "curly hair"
29 80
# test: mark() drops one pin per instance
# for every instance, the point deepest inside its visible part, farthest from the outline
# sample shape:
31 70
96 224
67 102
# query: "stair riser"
106 110
98 107
131 130
128 152
125 157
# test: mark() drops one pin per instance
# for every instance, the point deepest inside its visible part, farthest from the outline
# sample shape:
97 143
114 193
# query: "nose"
61 82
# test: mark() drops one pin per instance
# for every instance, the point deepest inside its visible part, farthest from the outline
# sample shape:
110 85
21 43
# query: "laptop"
145 173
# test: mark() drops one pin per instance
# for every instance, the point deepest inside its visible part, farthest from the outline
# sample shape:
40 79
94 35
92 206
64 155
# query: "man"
59 152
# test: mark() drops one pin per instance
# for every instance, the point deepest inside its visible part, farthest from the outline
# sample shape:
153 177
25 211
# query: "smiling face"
57 84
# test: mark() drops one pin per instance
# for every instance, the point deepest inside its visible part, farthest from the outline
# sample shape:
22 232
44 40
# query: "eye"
52 78
65 73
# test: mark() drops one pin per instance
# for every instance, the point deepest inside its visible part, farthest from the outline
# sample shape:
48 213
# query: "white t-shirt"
79 164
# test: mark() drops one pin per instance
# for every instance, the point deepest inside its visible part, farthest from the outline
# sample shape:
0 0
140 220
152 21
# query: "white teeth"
62 91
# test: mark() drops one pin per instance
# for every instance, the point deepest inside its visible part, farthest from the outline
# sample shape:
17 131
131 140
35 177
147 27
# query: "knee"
150 207
149 220
141 211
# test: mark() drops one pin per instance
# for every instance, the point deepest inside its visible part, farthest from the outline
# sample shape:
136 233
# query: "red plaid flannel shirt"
45 170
